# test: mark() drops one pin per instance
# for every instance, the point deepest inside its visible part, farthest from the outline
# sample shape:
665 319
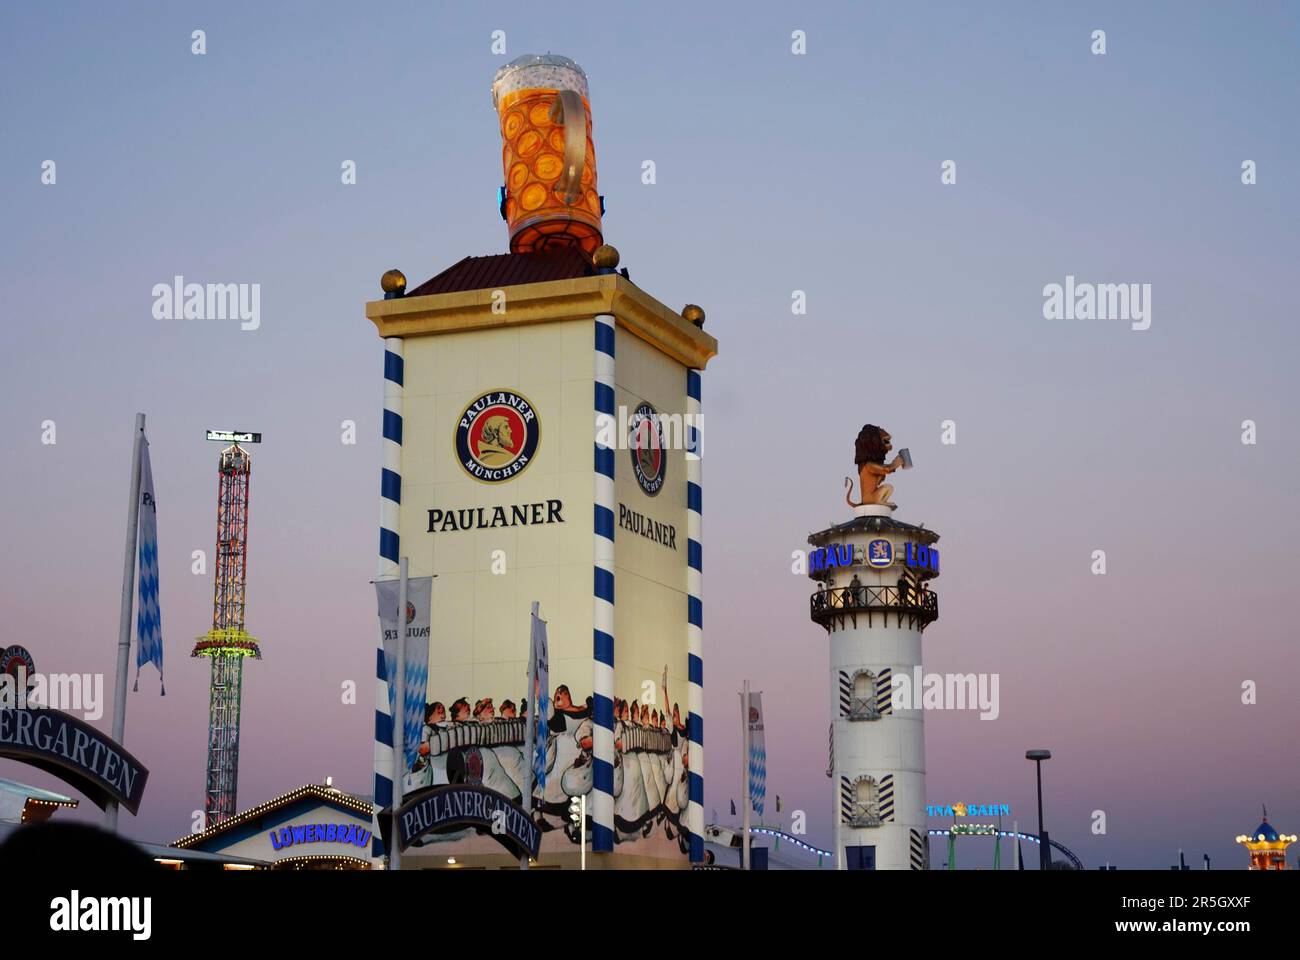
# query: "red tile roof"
508 269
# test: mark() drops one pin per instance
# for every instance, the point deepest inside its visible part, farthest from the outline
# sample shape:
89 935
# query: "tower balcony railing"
832 607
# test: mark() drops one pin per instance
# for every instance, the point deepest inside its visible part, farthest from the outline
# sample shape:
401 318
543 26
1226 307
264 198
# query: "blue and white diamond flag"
148 620
757 753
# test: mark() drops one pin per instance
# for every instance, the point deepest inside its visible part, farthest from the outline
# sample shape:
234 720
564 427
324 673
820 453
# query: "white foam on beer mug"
539 72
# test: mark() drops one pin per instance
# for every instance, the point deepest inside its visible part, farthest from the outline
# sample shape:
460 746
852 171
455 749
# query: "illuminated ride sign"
75 752
968 810
456 806
877 553
233 436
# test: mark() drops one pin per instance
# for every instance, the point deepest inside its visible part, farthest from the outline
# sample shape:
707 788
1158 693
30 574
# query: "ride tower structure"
227 644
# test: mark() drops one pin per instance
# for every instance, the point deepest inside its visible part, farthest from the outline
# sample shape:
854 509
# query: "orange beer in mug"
547 154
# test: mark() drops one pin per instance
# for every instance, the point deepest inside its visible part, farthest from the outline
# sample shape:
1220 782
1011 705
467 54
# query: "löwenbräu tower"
874 601
542 443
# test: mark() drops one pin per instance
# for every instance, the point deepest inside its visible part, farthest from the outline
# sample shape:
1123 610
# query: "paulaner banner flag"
541 702
148 620
757 753
419 596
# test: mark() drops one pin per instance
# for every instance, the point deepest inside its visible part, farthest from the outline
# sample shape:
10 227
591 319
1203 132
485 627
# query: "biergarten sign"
456 806
75 752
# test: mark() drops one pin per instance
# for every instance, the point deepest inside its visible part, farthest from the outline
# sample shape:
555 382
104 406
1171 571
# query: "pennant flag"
757 753
148 620
778 803
733 807
419 597
541 683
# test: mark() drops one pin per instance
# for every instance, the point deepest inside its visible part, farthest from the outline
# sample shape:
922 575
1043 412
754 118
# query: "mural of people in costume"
473 742
429 768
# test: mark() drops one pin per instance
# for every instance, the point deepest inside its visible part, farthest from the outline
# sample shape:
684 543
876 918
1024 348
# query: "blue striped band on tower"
602 746
694 620
917 849
885 691
887 798
390 499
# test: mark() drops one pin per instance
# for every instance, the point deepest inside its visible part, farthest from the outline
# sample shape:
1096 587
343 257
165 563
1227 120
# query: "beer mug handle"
569 111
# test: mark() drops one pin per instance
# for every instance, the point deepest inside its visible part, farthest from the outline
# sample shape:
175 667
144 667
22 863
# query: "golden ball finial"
694 314
393 281
605 257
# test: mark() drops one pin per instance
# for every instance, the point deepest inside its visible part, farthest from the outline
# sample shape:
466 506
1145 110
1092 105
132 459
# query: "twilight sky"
775 173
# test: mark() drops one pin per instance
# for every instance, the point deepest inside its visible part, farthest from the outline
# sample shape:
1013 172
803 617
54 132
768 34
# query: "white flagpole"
531 697
399 715
128 594
744 773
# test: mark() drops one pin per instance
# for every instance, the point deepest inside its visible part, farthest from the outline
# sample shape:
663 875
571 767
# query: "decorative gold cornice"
553 300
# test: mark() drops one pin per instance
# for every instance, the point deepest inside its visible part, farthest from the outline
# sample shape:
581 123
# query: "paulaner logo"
104 914
646 438
497 436
674 431
209 301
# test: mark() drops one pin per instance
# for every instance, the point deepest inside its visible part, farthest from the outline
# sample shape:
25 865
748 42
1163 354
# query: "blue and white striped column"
694 619
390 501
601 804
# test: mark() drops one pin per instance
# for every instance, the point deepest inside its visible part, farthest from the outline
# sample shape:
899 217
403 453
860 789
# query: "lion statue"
869 455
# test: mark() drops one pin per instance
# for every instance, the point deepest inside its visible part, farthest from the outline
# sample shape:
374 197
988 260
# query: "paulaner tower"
874 600
541 445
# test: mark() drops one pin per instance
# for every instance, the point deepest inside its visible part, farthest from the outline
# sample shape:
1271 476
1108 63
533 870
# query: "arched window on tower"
862 703
866 803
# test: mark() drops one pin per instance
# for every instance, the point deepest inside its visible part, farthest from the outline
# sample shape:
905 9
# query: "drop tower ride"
227 643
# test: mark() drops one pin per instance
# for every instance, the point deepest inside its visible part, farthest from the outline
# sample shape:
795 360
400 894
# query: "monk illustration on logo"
869 455
647 456
496 443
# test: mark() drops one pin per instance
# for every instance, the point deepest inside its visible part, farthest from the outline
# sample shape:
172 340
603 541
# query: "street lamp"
1044 852
578 815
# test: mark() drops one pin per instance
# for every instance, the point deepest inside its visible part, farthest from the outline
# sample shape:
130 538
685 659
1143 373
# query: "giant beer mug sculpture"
547 154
